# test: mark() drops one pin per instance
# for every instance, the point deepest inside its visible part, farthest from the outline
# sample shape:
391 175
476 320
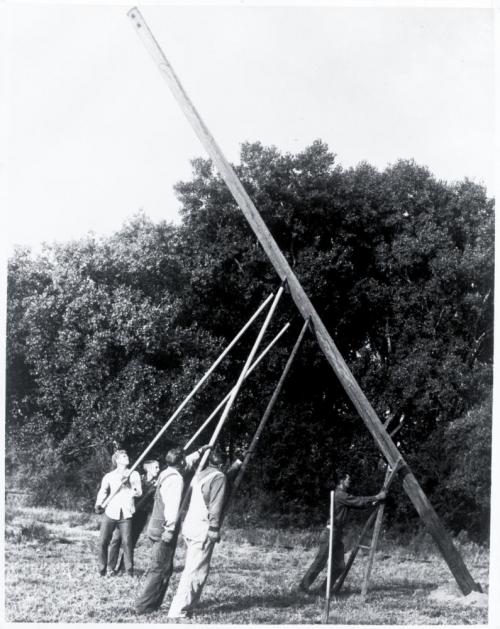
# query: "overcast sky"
94 134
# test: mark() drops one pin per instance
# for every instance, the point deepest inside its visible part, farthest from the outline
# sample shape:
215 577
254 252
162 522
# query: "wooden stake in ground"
304 305
326 613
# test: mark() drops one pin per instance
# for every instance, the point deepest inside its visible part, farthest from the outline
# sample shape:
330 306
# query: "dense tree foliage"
105 337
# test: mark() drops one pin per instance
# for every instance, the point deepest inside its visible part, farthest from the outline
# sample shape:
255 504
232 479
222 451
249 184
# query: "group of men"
156 498
131 501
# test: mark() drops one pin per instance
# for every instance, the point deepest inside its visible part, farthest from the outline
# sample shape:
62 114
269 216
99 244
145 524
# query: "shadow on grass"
403 589
256 567
288 599
138 573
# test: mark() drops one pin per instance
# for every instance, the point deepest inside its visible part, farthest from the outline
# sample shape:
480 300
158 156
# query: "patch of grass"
27 533
253 580
12 513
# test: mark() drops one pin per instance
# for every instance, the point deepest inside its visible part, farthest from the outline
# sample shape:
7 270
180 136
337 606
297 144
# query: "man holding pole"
162 528
123 486
201 531
143 508
343 503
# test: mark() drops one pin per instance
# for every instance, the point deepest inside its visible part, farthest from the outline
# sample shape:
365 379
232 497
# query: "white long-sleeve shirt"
171 484
121 506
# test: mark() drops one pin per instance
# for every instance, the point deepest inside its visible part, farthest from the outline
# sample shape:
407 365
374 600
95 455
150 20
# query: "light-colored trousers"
193 577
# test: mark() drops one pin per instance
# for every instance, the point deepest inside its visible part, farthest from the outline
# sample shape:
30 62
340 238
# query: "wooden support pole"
246 367
373 546
303 303
267 412
378 522
331 534
234 392
223 401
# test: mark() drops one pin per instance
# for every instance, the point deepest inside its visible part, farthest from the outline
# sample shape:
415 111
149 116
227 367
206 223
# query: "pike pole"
191 395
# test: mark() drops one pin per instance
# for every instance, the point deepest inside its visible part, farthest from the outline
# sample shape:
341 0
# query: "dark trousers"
321 560
158 576
139 520
108 525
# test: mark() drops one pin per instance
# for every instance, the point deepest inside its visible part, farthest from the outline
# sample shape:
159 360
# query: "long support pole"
373 546
232 397
378 523
193 391
303 303
268 411
223 401
242 375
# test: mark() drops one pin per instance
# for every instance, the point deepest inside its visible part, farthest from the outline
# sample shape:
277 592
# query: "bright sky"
95 135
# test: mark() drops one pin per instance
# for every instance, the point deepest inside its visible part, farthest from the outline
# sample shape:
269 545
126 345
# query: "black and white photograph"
248 291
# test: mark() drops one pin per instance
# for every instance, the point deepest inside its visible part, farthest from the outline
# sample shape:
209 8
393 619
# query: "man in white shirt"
119 510
162 528
143 508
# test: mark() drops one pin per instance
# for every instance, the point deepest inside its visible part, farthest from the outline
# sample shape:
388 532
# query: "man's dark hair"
339 476
216 458
149 461
174 456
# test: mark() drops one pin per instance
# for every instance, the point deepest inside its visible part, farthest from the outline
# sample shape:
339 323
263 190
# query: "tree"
107 336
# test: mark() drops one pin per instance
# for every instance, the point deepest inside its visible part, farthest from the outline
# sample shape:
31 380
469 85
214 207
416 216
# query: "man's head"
344 481
120 457
175 457
216 458
151 467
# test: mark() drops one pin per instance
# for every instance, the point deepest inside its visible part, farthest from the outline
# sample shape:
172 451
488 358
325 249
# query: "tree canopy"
106 336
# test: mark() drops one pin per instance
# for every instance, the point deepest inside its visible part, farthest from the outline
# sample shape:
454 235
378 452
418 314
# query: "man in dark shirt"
343 503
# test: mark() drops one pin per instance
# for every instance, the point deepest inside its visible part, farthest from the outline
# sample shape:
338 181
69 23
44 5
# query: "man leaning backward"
143 508
200 531
162 527
119 510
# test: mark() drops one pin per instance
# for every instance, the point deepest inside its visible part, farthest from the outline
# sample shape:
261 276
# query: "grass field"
51 576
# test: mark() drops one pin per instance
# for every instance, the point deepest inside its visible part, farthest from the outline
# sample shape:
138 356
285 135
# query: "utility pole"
305 307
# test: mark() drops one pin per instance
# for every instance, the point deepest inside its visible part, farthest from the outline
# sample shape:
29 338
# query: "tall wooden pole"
325 341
